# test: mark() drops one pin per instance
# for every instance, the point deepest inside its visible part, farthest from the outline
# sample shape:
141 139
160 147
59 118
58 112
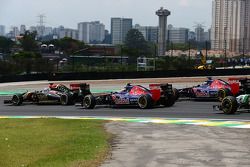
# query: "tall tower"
163 14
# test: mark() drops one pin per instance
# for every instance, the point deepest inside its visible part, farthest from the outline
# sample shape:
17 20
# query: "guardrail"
123 75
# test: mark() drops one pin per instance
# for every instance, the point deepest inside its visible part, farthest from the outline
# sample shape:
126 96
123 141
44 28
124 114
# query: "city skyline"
184 13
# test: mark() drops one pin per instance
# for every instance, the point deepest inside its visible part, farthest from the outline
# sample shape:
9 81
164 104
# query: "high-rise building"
199 33
91 32
2 30
16 31
48 31
33 29
40 30
150 33
178 35
119 29
207 35
67 32
191 36
22 29
231 25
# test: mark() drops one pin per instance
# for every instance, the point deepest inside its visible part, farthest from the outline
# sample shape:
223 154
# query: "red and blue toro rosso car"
135 95
211 88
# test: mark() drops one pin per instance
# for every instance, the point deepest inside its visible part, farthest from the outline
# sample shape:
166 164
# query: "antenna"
41 27
41 19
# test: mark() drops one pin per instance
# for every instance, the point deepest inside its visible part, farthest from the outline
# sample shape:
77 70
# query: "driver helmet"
46 89
128 87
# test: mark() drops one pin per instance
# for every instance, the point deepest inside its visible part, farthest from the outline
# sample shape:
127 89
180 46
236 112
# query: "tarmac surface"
157 145
181 109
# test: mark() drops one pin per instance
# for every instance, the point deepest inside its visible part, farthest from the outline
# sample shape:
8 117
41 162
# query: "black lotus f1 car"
55 94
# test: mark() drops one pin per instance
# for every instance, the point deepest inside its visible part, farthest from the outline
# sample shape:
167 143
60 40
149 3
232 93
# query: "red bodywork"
220 84
154 90
73 86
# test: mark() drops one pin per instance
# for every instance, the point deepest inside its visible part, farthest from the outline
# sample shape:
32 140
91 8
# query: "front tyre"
145 101
64 99
89 102
17 100
229 105
222 93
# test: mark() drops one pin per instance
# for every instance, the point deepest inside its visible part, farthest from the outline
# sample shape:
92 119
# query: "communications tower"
163 14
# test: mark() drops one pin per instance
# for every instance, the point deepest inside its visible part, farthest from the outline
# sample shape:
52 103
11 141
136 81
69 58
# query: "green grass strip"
52 143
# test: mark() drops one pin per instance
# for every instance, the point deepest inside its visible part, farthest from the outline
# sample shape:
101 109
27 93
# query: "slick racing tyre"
168 101
176 93
229 105
17 100
145 101
66 99
222 93
34 98
89 102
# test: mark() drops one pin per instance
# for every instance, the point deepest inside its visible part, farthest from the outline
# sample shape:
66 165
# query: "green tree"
28 41
5 44
135 44
25 61
68 45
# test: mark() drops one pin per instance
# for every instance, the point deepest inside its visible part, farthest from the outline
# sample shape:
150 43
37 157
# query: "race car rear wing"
244 83
165 88
83 87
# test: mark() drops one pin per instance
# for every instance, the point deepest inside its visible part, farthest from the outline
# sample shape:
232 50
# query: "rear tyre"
145 101
191 93
17 100
168 101
64 99
176 93
222 93
89 102
229 105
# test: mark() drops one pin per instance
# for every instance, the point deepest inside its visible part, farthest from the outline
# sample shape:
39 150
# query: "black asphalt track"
181 109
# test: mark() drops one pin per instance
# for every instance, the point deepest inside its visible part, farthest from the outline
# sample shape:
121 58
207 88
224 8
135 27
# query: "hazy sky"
184 13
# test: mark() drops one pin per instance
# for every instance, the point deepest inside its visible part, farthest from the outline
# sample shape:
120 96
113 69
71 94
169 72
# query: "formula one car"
55 94
231 104
211 88
135 95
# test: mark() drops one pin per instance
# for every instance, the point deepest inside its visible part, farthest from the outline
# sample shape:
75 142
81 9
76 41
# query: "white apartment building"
91 32
230 25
